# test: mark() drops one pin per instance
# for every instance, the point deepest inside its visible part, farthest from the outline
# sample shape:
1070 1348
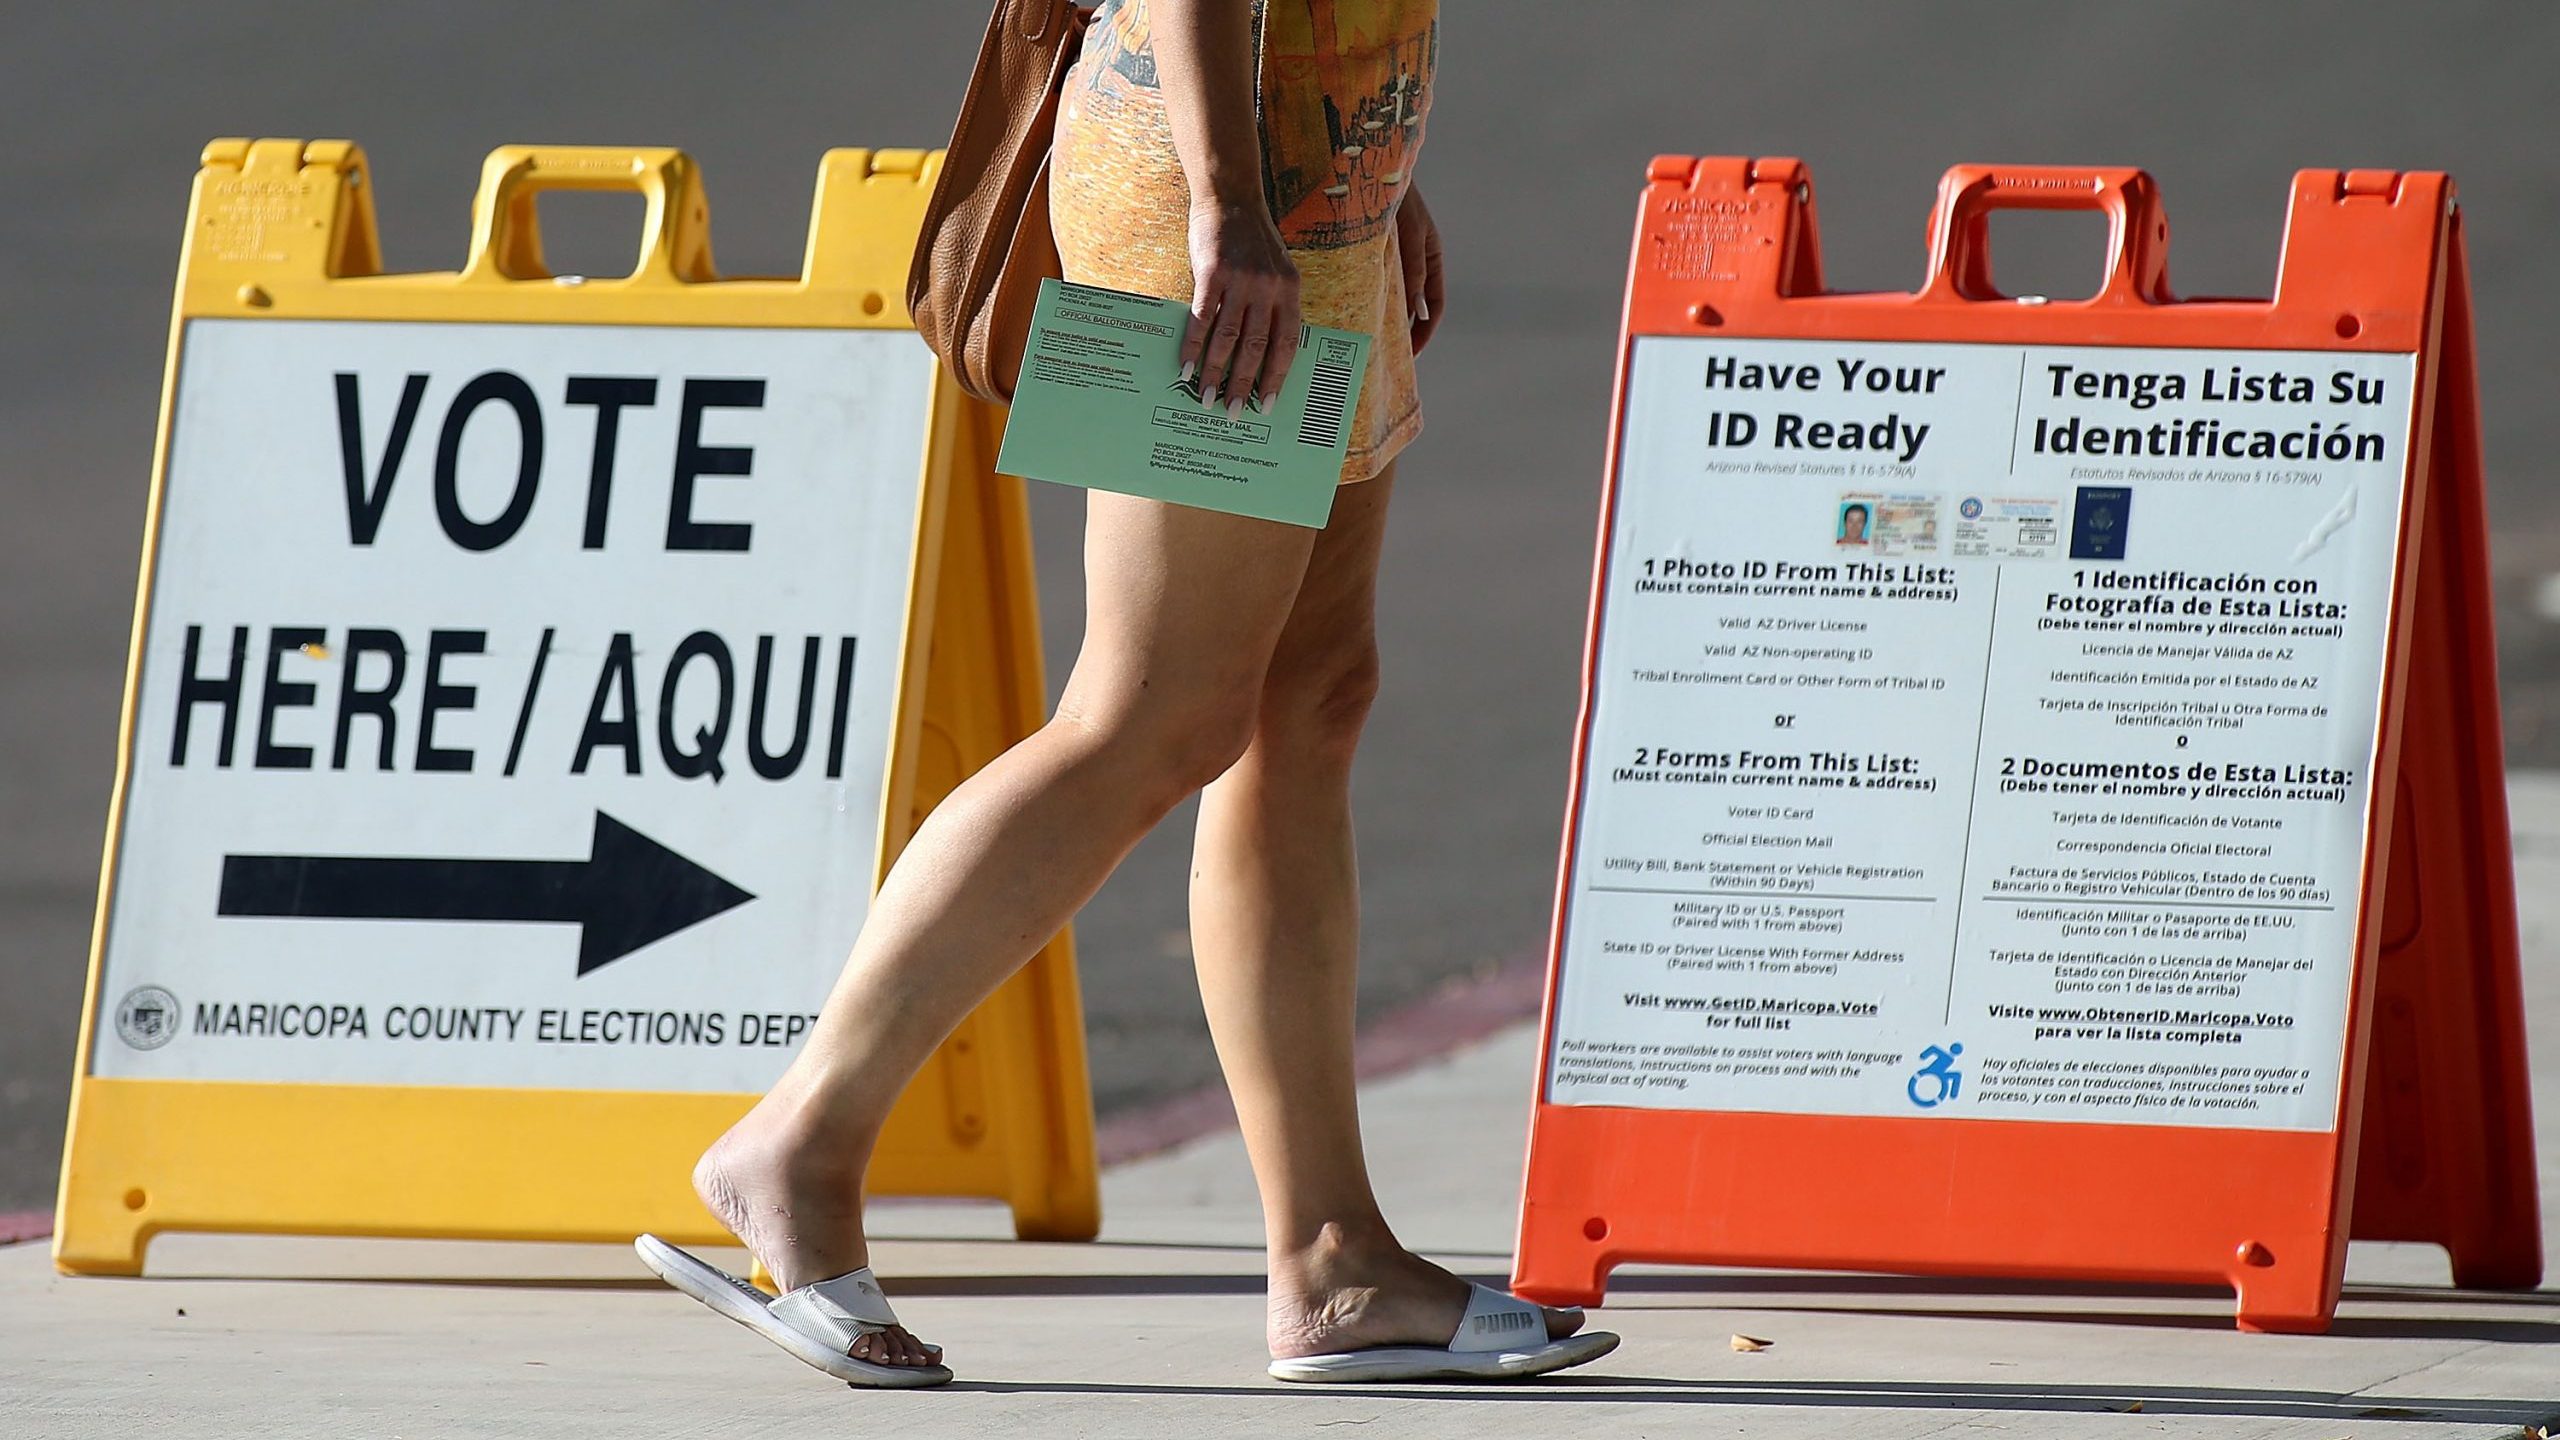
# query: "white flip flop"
1501 1337
817 1323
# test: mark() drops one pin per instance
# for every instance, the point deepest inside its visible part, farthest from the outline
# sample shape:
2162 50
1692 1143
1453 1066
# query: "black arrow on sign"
630 891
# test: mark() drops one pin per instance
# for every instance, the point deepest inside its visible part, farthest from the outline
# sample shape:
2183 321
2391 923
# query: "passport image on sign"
1100 404
2098 522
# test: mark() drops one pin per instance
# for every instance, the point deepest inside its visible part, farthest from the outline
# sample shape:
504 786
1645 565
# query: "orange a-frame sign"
2037 806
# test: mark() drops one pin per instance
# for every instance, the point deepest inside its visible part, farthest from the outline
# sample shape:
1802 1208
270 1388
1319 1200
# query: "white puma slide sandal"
1501 1337
816 1323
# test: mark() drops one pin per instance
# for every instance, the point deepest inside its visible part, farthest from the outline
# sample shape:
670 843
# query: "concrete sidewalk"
1156 1329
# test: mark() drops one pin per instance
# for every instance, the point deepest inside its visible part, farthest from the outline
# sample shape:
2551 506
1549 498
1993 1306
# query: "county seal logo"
147 1018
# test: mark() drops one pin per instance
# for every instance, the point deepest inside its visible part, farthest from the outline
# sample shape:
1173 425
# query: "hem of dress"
1383 454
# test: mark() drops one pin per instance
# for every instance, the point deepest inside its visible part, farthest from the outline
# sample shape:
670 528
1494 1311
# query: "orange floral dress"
1343 90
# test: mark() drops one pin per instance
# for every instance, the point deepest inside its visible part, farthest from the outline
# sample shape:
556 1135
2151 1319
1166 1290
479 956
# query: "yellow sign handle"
506 235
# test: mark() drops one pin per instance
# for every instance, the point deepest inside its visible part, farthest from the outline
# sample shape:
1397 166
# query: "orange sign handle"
1960 226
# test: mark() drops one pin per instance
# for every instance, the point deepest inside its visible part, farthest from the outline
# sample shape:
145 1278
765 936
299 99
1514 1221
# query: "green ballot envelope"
1100 405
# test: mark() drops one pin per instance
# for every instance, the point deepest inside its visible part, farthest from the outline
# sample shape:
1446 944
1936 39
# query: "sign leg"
2289 1291
1560 1261
983 692
2447 1150
100 1234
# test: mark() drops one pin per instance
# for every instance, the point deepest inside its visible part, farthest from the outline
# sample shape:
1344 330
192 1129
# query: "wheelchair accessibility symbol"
1936 1081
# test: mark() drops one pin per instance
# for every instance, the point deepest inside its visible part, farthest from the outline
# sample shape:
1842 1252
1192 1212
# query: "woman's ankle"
794 1146
1316 1250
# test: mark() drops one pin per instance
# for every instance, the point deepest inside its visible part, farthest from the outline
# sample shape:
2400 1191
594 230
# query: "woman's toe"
1563 1322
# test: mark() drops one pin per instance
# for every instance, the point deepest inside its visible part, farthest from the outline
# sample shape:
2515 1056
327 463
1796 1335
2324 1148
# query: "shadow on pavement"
2225 1401
1756 1292
2355 1327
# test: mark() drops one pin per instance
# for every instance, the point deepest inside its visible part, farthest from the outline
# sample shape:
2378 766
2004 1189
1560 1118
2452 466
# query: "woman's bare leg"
1275 924
1183 609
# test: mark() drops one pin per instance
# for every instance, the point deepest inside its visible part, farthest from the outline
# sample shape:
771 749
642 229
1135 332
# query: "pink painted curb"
1457 1014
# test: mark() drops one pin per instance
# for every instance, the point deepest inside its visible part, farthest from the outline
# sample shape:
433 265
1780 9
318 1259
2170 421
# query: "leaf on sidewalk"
1747 1343
2133 1409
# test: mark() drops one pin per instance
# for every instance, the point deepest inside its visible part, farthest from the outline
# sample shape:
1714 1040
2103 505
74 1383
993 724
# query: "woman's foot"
797 1207
1355 1290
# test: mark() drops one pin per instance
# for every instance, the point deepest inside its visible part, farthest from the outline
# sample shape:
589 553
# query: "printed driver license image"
1995 527
1887 523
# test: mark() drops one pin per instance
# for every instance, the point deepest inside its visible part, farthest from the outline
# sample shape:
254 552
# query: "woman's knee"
1316 706
1168 747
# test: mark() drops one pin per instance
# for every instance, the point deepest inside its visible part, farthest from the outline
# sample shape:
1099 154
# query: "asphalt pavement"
1545 118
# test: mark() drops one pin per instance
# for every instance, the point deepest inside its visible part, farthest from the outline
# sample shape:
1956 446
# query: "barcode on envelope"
1328 395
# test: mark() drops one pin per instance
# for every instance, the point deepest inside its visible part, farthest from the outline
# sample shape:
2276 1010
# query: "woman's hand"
1244 290
1244 306
1418 240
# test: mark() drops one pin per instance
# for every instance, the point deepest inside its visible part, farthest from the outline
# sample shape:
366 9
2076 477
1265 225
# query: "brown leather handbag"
985 246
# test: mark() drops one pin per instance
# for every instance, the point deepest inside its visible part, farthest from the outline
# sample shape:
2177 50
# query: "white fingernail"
1189 369
1235 408
1421 308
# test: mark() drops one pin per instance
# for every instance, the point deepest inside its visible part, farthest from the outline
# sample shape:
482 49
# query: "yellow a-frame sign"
532 675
